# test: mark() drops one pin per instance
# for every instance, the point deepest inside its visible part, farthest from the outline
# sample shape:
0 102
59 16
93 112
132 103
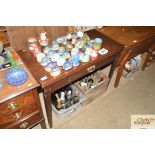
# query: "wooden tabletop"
8 91
128 35
39 71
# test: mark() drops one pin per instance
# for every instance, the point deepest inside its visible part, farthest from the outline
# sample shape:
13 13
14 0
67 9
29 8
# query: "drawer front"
17 103
90 68
17 116
27 123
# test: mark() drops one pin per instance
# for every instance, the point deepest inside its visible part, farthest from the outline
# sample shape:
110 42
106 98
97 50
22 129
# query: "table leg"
114 63
146 60
119 74
47 99
43 125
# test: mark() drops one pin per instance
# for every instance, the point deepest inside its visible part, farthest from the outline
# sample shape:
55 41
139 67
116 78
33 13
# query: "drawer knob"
24 125
12 106
91 69
17 115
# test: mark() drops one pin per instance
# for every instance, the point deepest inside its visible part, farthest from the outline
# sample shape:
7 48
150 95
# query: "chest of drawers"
20 106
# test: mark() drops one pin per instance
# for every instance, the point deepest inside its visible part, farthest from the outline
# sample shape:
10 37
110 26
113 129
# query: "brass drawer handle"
24 125
91 68
17 115
12 106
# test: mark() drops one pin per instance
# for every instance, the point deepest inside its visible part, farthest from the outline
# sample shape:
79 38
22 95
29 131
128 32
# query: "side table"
50 84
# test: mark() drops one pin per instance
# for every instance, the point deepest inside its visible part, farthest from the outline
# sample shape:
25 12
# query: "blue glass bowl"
16 76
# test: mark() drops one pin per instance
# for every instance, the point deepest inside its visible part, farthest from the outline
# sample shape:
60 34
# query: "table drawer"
17 103
28 122
17 116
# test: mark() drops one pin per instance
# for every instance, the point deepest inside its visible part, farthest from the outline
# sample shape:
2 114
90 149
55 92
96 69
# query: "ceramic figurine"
74 51
80 34
97 43
32 43
47 49
67 65
69 36
40 56
2 60
90 43
45 61
50 54
55 71
69 47
60 40
49 66
79 43
36 50
73 40
80 55
85 58
58 105
66 54
61 61
93 55
55 57
55 46
75 60
16 76
74 34
64 43
88 50
43 40
61 49
85 38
